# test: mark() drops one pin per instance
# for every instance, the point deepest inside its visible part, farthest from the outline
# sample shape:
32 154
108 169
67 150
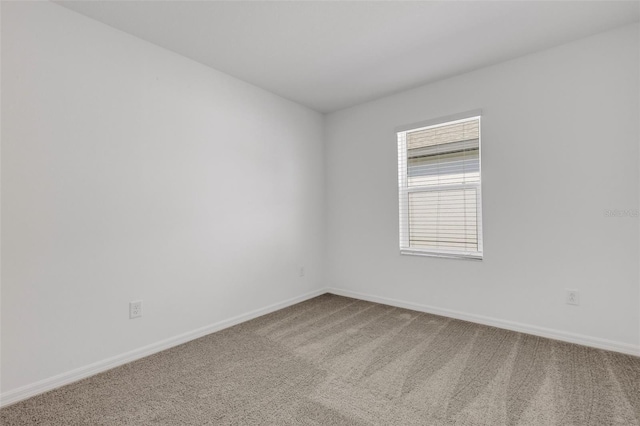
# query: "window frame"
404 189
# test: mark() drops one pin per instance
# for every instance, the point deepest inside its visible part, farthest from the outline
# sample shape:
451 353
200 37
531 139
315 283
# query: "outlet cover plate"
135 309
573 297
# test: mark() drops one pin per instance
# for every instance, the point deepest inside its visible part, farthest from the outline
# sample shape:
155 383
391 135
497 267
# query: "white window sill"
446 255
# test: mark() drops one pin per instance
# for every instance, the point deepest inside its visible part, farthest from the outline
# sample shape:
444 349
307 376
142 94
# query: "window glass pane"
447 168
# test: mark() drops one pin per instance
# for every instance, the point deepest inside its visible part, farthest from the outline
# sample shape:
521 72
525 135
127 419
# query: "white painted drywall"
129 172
560 146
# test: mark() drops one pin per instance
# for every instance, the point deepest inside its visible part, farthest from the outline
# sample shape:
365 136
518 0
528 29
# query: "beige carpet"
334 360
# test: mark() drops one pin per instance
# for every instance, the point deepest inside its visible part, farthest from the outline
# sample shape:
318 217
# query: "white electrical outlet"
573 297
302 271
135 309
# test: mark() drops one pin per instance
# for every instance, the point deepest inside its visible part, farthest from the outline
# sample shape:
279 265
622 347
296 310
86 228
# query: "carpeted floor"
334 360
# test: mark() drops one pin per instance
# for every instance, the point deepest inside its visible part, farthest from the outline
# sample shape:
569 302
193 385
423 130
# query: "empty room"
320 213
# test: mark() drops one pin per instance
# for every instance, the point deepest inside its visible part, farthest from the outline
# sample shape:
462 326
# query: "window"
439 188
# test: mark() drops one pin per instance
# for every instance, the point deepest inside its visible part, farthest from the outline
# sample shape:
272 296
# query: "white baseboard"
27 391
564 336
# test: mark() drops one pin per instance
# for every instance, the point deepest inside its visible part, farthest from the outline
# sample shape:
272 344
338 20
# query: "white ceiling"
331 55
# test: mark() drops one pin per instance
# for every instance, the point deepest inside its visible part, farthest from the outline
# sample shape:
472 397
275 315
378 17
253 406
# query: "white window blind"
439 188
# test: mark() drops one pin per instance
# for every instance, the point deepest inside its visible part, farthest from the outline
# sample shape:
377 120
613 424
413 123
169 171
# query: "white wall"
129 172
560 145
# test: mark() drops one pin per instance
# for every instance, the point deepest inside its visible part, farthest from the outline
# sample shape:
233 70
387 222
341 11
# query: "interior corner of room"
149 198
